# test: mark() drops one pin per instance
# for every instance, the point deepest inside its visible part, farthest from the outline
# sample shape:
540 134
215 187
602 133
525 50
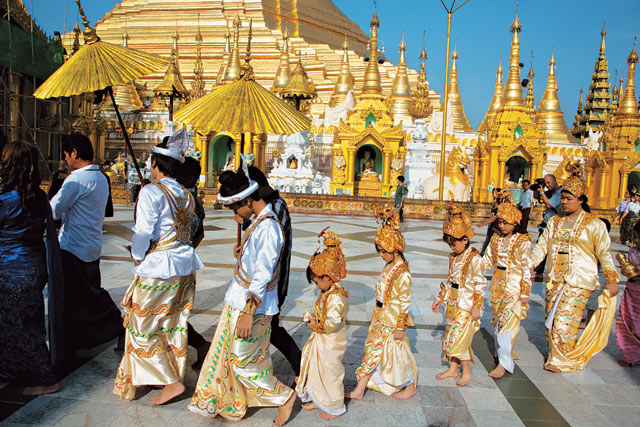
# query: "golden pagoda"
172 86
232 71
226 55
345 81
368 150
620 158
530 100
460 122
401 91
514 146
549 118
126 95
577 127
598 98
283 75
420 106
197 85
300 90
495 102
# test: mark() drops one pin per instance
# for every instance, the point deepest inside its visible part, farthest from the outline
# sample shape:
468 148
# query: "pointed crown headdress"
388 236
330 261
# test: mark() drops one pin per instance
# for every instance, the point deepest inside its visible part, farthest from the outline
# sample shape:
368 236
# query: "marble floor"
602 394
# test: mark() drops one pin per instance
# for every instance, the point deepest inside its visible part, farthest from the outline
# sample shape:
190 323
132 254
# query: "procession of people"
236 370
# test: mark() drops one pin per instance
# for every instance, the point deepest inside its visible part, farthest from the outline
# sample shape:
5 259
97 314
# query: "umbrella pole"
126 135
240 158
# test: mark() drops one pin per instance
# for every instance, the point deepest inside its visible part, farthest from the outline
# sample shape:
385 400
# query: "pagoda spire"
226 53
125 94
530 101
401 90
420 106
495 101
513 88
628 103
549 118
372 87
172 86
233 70
575 127
283 75
599 98
460 122
197 85
344 84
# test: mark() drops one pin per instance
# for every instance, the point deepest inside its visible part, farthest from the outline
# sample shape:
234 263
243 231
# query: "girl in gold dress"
463 294
388 365
321 372
575 242
510 254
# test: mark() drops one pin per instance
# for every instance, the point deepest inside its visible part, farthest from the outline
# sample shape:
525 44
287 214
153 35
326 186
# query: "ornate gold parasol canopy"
243 106
98 66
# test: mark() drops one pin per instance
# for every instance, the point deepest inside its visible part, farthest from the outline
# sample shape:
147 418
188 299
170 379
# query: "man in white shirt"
238 367
91 316
526 200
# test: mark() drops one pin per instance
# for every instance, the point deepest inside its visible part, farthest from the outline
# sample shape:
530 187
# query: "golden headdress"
508 212
388 236
458 224
575 184
330 261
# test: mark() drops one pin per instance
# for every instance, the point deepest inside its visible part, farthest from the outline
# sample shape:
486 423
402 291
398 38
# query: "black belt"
379 304
455 285
499 267
563 253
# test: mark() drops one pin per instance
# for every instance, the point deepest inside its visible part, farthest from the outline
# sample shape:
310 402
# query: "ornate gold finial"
549 118
226 53
76 39
529 100
197 85
375 22
602 44
173 84
233 70
495 101
372 87
513 88
420 106
401 89
176 37
576 126
300 90
344 84
283 74
628 102
89 33
246 71
460 122
125 38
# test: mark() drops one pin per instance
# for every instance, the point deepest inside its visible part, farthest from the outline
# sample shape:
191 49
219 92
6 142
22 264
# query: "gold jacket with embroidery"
396 298
469 278
330 310
517 263
589 243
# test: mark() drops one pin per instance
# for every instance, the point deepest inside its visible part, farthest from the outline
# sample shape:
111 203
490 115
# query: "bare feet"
39 390
325 416
408 391
309 406
284 412
498 372
466 374
452 372
168 392
551 368
355 394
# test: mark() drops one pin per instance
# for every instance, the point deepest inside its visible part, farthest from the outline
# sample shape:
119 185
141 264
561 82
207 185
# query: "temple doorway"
368 164
221 150
517 168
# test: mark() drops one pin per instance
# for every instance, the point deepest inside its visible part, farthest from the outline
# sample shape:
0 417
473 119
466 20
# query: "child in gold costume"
388 365
510 254
575 242
463 294
320 383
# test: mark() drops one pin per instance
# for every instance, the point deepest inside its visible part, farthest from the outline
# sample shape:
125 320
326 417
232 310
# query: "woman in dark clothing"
24 356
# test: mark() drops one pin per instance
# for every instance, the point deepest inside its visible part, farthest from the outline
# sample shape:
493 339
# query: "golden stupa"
316 29
345 81
549 118
495 102
401 91
460 122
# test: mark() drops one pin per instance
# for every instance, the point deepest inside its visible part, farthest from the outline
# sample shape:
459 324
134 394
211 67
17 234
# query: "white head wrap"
235 198
176 146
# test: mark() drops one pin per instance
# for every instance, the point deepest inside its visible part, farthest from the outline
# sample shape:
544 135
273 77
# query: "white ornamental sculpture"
418 164
294 171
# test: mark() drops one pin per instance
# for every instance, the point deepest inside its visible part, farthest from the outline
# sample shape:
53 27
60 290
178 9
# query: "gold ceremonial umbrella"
98 66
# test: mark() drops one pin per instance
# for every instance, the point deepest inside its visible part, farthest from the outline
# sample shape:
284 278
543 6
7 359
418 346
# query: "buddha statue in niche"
367 166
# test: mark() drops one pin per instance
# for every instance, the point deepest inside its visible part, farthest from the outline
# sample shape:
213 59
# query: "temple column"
604 188
386 166
351 160
624 180
501 166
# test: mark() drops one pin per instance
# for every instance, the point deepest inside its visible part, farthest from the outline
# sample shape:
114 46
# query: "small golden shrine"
368 150
618 166
515 149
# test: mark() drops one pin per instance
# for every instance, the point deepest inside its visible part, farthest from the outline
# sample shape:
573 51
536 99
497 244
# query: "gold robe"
389 360
511 280
156 315
321 369
572 266
463 291
238 373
